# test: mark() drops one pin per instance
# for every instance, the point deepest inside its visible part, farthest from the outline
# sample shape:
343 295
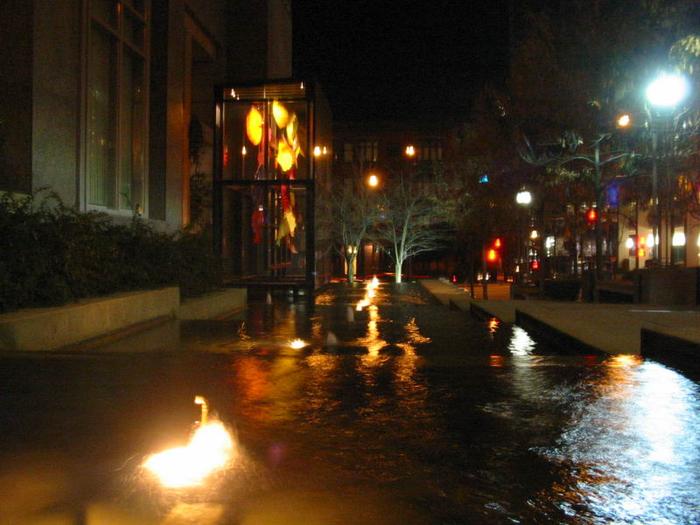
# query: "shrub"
52 254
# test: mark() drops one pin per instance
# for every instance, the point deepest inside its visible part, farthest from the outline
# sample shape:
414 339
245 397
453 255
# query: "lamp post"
663 94
524 199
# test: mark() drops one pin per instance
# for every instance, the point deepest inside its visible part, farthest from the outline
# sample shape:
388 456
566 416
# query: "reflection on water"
411 414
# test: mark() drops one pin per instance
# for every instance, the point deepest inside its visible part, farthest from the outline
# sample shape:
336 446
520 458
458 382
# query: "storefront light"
650 240
678 239
629 243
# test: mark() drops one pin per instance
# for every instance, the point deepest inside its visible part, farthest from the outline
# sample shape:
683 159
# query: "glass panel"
102 121
264 231
138 6
132 134
105 11
266 140
133 30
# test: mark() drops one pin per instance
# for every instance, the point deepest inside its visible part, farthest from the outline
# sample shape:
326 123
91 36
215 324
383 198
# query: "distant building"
110 103
385 149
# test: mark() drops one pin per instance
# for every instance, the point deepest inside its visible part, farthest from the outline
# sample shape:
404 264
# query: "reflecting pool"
400 411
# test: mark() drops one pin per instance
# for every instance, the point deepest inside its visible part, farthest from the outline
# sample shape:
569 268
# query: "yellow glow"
363 303
210 449
410 151
297 344
317 151
325 150
375 281
285 156
280 114
244 151
534 234
254 126
624 120
291 129
373 181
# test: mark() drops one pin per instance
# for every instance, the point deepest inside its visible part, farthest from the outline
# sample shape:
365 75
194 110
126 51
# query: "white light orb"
523 197
667 91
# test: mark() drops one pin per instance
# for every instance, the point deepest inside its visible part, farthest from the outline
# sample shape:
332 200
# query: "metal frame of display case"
237 257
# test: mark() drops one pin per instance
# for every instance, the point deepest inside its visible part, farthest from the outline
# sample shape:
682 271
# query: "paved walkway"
611 328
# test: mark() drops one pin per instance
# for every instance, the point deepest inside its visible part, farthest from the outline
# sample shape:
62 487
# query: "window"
116 128
431 151
367 151
348 152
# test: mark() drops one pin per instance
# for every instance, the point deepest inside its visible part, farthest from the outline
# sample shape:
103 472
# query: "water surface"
404 412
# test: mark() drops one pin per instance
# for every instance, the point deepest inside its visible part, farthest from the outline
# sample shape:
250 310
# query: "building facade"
110 103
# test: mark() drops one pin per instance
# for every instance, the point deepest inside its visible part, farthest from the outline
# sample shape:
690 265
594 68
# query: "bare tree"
412 219
348 211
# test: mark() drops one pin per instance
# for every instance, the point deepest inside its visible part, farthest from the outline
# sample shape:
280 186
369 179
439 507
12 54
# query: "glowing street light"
523 197
373 181
667 90
410 151
663 93
624 120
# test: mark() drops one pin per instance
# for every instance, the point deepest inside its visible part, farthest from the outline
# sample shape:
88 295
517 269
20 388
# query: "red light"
497 243
454 278
592 216
491 256
535 265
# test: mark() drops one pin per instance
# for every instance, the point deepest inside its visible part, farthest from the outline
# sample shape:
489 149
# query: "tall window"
117 66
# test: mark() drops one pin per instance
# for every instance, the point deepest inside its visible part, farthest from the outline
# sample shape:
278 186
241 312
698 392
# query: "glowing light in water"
521 343
209 450
297 344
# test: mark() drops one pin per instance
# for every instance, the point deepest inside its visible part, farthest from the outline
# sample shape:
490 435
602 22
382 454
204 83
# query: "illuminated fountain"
209 450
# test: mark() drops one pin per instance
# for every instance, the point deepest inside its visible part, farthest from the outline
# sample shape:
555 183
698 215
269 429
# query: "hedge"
51 254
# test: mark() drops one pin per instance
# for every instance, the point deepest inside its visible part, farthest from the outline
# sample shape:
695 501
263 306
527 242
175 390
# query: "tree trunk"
351 268
397 270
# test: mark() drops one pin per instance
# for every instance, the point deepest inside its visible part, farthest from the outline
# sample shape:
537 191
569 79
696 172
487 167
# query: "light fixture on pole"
524 199
663 94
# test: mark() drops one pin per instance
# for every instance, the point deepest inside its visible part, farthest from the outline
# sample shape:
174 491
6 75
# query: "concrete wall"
279 39
259 44
16 26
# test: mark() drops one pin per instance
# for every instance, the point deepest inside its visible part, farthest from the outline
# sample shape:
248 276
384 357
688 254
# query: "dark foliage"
51 254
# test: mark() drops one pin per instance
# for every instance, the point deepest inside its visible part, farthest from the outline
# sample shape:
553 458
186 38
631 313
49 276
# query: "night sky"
400 60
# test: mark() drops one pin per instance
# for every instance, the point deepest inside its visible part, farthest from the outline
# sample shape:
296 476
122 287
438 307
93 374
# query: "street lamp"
523 198
410 151
373 181
667 90
664 93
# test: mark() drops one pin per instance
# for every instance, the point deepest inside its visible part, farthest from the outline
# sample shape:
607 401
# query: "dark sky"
400 60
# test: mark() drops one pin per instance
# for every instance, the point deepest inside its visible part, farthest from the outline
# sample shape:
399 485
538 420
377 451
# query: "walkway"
611 328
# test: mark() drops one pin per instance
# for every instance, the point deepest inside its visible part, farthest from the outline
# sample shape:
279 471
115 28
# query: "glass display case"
272 148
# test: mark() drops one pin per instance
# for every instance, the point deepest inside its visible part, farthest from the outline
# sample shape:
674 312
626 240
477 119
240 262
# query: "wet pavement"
403 412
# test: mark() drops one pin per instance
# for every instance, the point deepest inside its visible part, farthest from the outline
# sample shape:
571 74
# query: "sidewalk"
610 328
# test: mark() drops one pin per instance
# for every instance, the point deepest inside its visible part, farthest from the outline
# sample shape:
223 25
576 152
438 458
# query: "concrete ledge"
39 329
214 304
673 351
